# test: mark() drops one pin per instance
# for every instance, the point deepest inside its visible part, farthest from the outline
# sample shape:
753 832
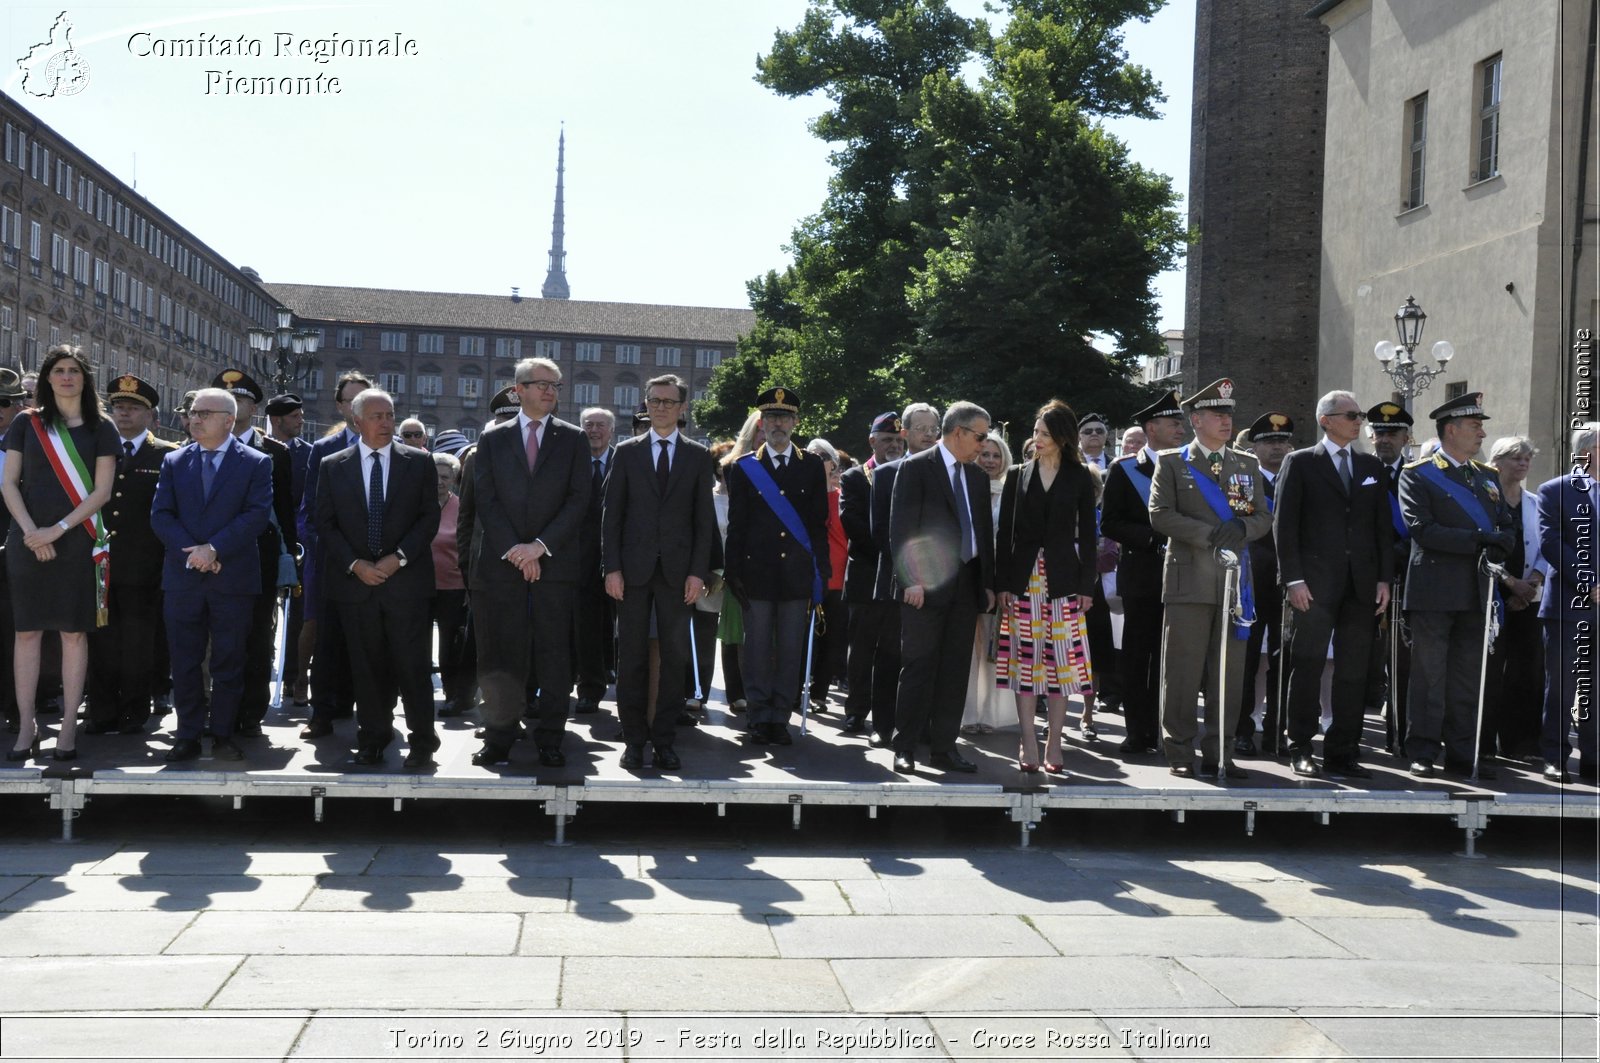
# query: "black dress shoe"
491 753
316 729
853 725
880 741
418 758
18 755
226 749
95 727
1304 764
951 761
367 756
63 754
1182 771
687 719
1233 771
249 729
1422 769
778 734
1208 770
551 757
666 759
1244 747
904 764
183 749
632 758
1347 768
758 735
448 712
1555 773
586 706
130 728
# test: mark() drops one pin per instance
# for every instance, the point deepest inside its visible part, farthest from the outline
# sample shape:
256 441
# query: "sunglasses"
1350 415
413 435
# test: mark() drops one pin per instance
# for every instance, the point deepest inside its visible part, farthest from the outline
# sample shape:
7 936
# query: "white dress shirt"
366 466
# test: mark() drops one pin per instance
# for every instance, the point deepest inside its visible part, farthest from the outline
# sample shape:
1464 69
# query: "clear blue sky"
436 171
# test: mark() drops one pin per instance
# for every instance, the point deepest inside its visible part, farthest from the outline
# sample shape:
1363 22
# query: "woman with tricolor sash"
59 469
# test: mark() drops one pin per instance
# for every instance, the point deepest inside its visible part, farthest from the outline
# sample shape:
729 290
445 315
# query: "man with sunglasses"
413 433
1335 542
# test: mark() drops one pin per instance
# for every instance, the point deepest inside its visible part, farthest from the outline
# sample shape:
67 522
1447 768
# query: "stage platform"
823 767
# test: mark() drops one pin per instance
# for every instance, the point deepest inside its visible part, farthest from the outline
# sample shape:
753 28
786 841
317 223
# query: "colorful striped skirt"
1043 643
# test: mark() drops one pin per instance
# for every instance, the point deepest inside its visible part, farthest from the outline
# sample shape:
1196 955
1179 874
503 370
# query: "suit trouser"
458 664
388 646
508 616
122 658
258 653
593 638
1265 634
773 656
332 694
935 664
1140 662
703 629
874 664
1192 637
1446 656
633 674
1381 687
1569 682
1103 648
1350 621
828 660
1512 716
193 616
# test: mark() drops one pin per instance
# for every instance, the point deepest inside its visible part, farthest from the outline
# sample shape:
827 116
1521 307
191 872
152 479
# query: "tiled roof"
498 313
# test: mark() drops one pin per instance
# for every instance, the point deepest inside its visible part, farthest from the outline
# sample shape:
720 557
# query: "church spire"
555 281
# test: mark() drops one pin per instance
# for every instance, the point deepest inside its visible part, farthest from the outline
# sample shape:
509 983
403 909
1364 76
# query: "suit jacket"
855 513
299 462
593 521
1067 535
925 527
1125 517
139 554
761 554
884 587
512 505
270 544
410 521
642 524
1324 532
1444 572
1567 528
1264 551
231 521
1191 574
306 518
467 513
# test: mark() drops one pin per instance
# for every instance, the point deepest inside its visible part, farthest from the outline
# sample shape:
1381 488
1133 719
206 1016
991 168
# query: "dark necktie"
375 506
598 479
1344 467
127 453
964 512
208 472
662 468
783 461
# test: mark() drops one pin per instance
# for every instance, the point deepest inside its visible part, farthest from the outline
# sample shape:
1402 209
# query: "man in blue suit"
1568 506
211 505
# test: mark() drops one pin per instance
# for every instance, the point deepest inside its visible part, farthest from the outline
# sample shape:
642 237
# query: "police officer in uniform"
1190 484
286 419
1457 515
1270 438
1390 426
874 660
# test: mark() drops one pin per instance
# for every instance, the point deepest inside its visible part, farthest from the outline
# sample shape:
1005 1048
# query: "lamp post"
1397 360
295 349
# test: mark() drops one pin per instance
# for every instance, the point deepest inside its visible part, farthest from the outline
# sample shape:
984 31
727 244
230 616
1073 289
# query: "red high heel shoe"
1026 765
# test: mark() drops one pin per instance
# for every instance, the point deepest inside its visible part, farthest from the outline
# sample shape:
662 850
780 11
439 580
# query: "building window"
469 387
430 343
349 339
1416 154
625 397
393 383
590 352
1455 389
669 356
1488 118
550 349
470 431
430 385
392 341
470 347
699 394
507 348
586 394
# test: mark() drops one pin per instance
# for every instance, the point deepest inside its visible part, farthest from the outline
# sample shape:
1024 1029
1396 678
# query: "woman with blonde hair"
984 710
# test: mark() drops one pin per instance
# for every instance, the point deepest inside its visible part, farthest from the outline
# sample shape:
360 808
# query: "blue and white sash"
1212 493
784 510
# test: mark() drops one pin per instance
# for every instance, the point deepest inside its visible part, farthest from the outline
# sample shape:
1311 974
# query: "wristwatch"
63 525
401 555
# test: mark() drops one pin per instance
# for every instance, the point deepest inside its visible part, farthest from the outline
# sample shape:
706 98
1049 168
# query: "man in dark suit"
919 423
1125 518
873 664
286 419
658 525
531 482
941 536
377 514
1457 515
777 562
1270 439
593 644
1336 560
122 655
332 695
277 540
1569 506
212 502
1390 426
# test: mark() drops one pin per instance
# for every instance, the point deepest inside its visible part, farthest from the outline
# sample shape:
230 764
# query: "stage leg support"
1026 814
795 801
317 795
1249 819
70 803
1472 823
562 807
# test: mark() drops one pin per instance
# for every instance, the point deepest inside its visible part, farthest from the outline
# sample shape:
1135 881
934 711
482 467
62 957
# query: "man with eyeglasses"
531 484
286 419
1390 426
594 647
658 524
1335 541
413 433
874 657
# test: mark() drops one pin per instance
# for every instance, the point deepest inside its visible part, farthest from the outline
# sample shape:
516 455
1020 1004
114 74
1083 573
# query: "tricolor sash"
1472 506
784 510
1212 493
1141 482
76 480
1400 529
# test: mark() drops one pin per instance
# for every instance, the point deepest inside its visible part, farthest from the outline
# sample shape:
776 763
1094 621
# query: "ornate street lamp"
1398 361
294 349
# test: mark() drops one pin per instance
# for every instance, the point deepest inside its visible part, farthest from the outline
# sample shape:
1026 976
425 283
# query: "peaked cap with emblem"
1093 418
132 389
505 402
778 400
641 415
886 422
1468 405
11 385
1271 426
1386 416
1217 395
1167 405
185 402
238 383
279 405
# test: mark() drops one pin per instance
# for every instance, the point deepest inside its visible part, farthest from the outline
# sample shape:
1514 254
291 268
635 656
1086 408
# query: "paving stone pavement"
183 930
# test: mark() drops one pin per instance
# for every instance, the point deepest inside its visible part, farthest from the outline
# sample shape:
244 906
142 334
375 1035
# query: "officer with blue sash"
1204 498
1455 512
1125 518
1390 428
777 562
